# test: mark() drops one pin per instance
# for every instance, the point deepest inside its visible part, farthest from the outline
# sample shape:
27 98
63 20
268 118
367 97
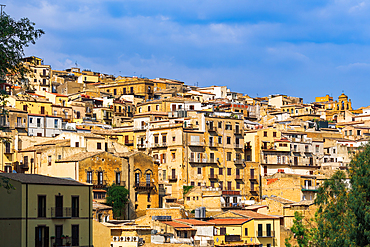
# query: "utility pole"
2 6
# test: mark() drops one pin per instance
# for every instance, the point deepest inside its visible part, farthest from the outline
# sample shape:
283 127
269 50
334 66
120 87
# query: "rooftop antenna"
2 6
76 64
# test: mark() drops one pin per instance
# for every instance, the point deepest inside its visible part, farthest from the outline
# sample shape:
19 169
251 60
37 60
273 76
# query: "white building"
44 125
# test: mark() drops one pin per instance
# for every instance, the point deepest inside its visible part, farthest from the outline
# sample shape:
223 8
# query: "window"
156 139
229 171
268 230
238 185
192 183
55 123
58 235
228 156
42 236
75 206
350 132
41 210
259 233
118 178
49 160
38 122
199 170
265 134
164 139
345 132
317 148
164 175
358 132
220 140
147 178
77 144
24 107
228 127
115 91
31 119
279 159
75 235
220 125
173 156
100 178
220 171
157 107
98 145
89 177
273 134
245 231
173 138
148 198
148 107
228 140
223 231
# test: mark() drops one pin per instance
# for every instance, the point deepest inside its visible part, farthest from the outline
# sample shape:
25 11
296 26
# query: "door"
173 173
59 206
173 107
42 236
212 173
252 173
58 235
265 170
42 110
126 139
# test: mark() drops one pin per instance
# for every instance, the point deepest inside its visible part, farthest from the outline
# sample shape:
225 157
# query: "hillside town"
203 166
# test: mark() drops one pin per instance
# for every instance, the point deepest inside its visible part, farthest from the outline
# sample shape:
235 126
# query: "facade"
46 211
44 125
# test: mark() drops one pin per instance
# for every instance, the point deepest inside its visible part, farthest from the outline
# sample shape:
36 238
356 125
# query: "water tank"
202 212
197 213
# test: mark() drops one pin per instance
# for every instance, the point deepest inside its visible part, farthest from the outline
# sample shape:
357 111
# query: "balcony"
5 125
20 125
129 143
265 234
231 191
238 145
172 178
194 143
238 162
212 176
310 188
144 186
44 74
238 132
61 212
141 146
213 145
232 238
202 161
232 205
99 184
212 128
159 145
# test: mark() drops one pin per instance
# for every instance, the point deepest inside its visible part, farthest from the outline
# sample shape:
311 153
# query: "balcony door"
58 206
42 236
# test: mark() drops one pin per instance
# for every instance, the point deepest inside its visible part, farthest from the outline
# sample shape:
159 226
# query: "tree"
117 198
344 205
303 232
14 37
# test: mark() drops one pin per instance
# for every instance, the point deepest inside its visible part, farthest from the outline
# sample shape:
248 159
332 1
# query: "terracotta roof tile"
252 214
177 225
195 222
227 221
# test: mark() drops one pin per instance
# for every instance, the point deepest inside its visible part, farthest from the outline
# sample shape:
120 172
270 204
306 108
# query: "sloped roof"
79 156
228 221
195 222
41 179
252 214
177 225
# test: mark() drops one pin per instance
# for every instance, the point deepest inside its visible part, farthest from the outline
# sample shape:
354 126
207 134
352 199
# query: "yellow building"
246 227
13 125
31 103
45 211
142 88
40 77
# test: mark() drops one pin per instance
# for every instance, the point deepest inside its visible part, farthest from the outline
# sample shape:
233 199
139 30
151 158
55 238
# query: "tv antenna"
2 6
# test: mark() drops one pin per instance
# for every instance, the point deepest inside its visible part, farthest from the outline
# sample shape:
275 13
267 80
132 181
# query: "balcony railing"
202 161
310 188
213 144
172 178
61 212
4 124
144 185
265 234
129 143
140 145
8 150
232 238
20 125
230 191
212 176
194 143
238 145
212 128
44 74
238 132
99 183
232 205
238 162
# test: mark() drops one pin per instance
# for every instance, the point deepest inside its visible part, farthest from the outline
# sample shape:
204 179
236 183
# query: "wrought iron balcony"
61 212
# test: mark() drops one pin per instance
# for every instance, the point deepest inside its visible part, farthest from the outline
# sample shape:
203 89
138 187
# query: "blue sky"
300 48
